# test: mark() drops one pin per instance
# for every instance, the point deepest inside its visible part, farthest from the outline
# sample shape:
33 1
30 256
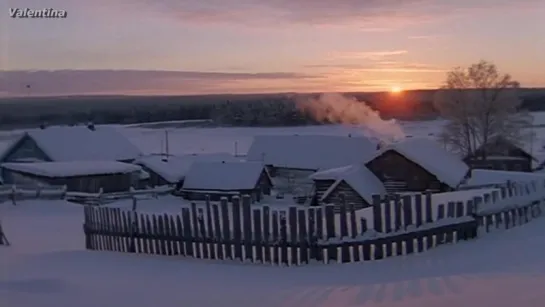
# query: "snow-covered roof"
223 176
483 177
174 168
446 166
358 176
72 168
310 151
78 143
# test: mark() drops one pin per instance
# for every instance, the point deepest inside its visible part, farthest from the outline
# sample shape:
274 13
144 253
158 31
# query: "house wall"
320 187
400 174
264 184
154 179
24 151
90 184
288 179
501 156
351 197
200 195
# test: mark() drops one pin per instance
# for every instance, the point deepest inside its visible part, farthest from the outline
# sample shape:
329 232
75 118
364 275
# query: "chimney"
91 126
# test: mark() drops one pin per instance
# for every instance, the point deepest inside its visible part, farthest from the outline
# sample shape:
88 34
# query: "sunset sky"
245 46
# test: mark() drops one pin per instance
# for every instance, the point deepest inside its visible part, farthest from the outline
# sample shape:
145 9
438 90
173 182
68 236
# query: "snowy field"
47 266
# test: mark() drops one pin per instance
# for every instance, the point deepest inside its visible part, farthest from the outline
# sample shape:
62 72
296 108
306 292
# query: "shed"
290 159
80 176
501 154
418 164
219 179
65 143
165 170
357 183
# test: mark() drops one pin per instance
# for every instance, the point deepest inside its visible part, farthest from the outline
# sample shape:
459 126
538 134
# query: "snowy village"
272 154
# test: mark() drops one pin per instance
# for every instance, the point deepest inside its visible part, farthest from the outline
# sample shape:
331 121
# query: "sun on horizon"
396 89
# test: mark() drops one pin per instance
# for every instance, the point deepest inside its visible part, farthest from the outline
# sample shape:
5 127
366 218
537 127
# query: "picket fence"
243 231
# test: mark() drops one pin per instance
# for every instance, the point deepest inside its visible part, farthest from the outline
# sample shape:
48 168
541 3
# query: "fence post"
133 215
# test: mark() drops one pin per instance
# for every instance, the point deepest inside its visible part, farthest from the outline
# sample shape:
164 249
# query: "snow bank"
72 168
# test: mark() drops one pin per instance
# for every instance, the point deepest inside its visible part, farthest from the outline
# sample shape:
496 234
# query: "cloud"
67 82
375 14
422 37
381 66
368 55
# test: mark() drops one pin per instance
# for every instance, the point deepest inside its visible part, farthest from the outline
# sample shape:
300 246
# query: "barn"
501 154
170 170
228 179
66 143
357 183
417 164
78 176
291 159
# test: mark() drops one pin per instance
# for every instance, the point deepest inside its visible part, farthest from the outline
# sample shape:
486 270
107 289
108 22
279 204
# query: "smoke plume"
337 108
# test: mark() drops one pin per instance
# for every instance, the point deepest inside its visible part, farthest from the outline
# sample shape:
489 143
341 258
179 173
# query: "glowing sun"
396 89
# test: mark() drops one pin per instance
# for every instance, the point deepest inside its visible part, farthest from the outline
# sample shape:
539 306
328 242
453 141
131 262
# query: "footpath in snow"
47 266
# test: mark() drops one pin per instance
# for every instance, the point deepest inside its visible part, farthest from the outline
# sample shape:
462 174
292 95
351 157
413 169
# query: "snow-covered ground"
48 266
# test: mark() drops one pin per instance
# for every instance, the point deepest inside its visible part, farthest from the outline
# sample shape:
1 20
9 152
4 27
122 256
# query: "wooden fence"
242 231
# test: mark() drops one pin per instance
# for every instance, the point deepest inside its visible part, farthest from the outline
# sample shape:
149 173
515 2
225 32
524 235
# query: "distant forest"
224 110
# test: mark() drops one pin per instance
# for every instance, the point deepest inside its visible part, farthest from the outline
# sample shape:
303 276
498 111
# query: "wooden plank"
247 224
196 232
451 209
418 210
237 231
168 235
283 238
460 209
180 235
292 220
441 211
217 231
188 236
145 234
126 233
267 233
428 205
226 228
345 249
387 214
354 232
150 235
202 234
330 233
158 234
407 211
210 229
276 237
258 241
320 223
303 236
377 213
398 213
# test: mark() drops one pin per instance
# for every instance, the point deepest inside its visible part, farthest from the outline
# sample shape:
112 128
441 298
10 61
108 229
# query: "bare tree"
479 104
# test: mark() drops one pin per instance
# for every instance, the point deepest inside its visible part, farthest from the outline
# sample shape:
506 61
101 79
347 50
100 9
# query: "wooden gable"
501 147
25 149
392 166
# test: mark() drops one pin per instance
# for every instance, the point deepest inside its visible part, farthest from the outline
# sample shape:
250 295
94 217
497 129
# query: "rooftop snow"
72 168
481 177
310 151
447 167
174 168
361 179
78 143
223 176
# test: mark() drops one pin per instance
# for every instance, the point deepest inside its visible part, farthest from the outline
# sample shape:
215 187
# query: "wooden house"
78 176
417 164
355 182
64 143
501 154
291 159
218 179
171 170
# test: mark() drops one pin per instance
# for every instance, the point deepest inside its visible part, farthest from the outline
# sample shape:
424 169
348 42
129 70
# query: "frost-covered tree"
479 103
